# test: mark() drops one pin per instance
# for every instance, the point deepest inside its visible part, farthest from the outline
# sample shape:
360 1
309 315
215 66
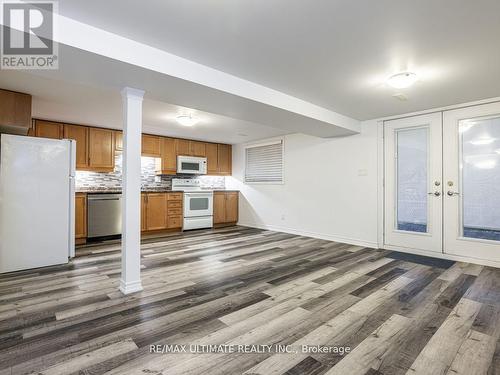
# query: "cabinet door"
168 162
101 149
231 207
219 208
150 146
80 135
156 213
224 159
119 141
182 146
80 215
15 109
47 129
197 148
211 153
143 212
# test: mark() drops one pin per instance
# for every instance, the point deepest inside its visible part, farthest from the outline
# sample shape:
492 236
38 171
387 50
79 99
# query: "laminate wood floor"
240 287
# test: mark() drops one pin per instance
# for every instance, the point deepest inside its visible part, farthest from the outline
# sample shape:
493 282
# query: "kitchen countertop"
111 191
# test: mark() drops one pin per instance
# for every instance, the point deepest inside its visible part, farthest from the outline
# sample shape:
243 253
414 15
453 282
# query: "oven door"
198 204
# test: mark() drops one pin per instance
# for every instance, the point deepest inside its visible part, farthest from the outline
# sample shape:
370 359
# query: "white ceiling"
76 103
332 53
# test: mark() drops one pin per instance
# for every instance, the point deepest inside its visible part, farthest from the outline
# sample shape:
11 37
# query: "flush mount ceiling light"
402 80
187 120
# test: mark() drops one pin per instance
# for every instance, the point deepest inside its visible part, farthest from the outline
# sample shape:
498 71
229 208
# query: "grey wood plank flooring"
246 286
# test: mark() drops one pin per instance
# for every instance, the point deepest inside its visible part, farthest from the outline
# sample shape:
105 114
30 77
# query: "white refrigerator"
37 202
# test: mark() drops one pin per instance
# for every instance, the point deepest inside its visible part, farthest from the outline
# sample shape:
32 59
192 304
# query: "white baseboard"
321 236
130 287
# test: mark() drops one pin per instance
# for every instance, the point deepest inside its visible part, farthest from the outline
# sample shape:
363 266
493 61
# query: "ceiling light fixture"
482 141
486 164
187 120
402 80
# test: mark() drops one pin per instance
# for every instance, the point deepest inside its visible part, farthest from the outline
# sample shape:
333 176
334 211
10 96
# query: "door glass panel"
412 179
196 204
480 178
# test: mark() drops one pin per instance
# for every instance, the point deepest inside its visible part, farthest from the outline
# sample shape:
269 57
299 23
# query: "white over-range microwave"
191 165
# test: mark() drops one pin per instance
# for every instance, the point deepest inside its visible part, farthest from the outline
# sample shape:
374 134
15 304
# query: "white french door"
413 186
442 182
471 150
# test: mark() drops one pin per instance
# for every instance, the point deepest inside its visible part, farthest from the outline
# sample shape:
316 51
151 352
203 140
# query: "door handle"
452 193
435 193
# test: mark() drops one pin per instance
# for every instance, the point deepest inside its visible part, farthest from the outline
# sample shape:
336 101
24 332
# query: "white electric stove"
198 203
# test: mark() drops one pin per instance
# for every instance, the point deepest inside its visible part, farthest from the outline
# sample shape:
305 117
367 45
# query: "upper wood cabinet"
48 129
167 164
101 150
225 207
80 134
151 145
96 146
118 140
15 110
182 146
197 148
224 159
211 153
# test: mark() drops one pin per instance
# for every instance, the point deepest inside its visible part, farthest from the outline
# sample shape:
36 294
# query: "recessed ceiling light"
187 120
402 80
482 141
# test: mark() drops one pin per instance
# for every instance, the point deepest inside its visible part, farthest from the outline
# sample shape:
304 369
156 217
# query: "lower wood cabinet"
161 211
80 217
225 207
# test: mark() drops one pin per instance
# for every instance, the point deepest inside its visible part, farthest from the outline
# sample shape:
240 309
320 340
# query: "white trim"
431 254
321 236
130 287
131 93
440 109
266 142
380 183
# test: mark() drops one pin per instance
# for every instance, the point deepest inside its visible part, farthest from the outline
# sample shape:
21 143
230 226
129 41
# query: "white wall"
330 189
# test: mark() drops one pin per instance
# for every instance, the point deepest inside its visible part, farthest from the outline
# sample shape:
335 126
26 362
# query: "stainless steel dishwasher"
104 215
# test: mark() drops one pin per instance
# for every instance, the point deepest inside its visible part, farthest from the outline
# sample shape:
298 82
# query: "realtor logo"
28 35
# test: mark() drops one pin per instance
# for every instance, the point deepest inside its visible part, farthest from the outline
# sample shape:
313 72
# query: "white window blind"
264 163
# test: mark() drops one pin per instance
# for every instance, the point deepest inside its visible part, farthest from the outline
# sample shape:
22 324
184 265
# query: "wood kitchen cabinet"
225 207
160 211
211 154
118 141
197 148
15 109
101 150
224 159
182 147
167 163
80 218
151 146
48 129
156 211
80 134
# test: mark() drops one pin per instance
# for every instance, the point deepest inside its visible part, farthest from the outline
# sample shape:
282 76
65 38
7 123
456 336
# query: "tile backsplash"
149 181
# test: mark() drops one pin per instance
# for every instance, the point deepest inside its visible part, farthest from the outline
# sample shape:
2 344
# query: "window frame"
269 142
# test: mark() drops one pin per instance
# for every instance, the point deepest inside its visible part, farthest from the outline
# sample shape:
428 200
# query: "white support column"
131 184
